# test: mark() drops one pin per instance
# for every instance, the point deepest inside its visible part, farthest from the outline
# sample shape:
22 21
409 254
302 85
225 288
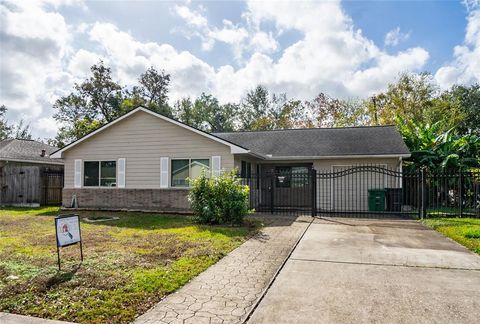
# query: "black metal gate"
369 191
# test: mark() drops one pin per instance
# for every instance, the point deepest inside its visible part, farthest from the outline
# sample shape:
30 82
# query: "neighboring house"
142 160
27 173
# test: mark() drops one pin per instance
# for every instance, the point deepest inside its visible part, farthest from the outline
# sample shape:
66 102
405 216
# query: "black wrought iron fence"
452 193
366 191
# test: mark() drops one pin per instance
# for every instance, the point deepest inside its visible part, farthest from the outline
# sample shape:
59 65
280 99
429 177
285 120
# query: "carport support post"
460 192
272 180
423 193
314 192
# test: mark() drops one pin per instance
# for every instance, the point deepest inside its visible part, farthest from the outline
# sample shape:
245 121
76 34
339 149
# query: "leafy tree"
183 111
408 98
413 97
80 128
286 114
467 99
21 131
5 129
261 111
254 109
152 92
206 113
325 111
95 101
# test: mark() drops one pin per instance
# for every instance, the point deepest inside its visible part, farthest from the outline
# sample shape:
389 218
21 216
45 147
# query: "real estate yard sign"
67 229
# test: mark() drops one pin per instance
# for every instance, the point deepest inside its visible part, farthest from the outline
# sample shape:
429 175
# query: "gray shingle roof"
373 140
26 150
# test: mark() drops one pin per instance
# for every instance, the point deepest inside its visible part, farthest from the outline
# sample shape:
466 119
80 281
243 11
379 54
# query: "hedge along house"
141 161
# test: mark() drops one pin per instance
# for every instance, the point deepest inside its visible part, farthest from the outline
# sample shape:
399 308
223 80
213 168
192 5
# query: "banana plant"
439 150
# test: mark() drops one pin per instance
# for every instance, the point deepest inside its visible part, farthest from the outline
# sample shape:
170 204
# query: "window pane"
179 173
108 174
300 177
243 169
197 166
283 176
246 169
90 174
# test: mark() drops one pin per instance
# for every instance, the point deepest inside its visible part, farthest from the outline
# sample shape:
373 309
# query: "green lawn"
465 231
130 263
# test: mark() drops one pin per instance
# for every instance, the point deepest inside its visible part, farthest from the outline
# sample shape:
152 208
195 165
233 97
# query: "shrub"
219 200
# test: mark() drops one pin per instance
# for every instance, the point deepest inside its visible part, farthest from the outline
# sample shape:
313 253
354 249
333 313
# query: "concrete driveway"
382 271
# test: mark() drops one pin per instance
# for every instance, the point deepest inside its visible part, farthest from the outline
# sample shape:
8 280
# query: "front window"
283 175
246 169
287 177
100 173
187 168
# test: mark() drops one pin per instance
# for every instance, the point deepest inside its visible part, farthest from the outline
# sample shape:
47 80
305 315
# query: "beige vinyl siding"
142 139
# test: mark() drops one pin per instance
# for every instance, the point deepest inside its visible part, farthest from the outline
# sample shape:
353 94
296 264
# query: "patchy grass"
130 263
465 231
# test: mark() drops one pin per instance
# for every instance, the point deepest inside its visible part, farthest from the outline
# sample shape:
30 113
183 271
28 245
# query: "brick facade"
164 200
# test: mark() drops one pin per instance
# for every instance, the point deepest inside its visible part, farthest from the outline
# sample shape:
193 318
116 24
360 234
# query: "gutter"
33 161
329 157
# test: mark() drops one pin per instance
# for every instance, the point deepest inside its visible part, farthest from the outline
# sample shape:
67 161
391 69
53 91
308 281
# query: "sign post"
67 230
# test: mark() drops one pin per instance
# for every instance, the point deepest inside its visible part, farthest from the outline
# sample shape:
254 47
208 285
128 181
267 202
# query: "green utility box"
376 199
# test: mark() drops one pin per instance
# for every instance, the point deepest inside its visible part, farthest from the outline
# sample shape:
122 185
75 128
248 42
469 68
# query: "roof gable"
235 148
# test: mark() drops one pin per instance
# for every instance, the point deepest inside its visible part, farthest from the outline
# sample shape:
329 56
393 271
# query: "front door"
286 186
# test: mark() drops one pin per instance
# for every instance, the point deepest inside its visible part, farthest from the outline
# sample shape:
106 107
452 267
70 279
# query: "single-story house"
28 176
142 159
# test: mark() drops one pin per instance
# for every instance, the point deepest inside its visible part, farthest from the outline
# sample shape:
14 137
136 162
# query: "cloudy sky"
346 49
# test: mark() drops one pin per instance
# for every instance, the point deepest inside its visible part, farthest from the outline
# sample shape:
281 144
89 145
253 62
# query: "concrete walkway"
7 318
381 271
227 291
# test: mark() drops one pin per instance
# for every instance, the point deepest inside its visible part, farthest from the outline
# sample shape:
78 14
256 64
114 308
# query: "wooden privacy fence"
21 185
53 185
30 186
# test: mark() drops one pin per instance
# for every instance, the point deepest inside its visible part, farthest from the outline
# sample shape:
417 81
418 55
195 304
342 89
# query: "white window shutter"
164 172
77 182
121 168
216 165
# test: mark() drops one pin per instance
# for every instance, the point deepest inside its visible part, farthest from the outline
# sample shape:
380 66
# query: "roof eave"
32 161
329 157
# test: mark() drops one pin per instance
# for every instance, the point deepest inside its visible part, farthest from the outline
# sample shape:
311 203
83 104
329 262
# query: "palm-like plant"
436 149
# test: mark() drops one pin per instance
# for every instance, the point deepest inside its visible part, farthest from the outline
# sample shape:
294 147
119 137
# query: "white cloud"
34 42
331 55
191 17
81 61
264 42
465 67
47 126
129 58
395 37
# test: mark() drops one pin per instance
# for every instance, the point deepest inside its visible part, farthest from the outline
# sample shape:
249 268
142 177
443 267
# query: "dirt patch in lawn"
130 263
